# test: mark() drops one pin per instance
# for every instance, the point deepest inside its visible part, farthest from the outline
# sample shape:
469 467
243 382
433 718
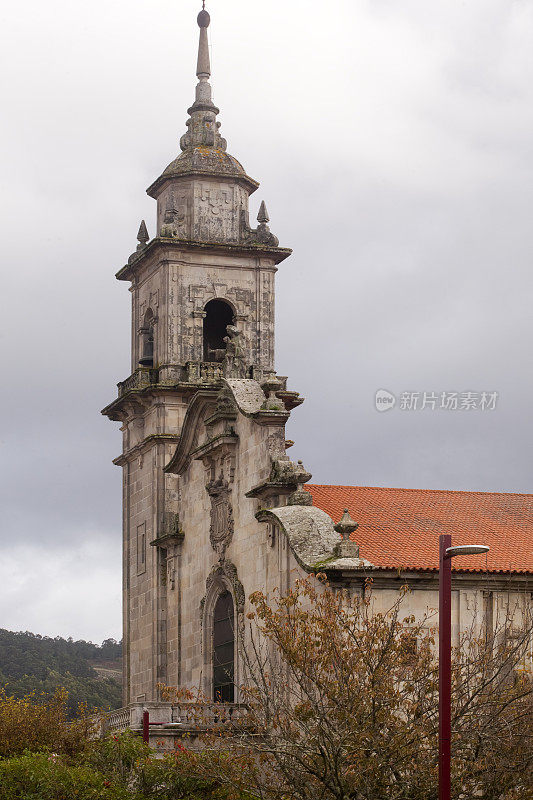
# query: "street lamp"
446 553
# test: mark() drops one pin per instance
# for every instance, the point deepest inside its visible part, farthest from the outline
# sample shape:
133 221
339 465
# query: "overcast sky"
394 144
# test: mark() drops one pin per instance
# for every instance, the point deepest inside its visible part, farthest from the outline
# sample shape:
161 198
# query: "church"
214 507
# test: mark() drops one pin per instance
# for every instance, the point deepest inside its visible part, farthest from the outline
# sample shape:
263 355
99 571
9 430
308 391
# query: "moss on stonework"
319 565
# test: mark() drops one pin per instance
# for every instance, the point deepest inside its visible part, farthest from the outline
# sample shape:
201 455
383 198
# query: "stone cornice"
168 538
277 254
210 445
137 399
142 446
157 186
429 579
140 398
272 417
271 489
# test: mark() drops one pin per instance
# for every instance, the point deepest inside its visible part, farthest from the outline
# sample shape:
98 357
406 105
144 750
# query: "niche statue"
234 359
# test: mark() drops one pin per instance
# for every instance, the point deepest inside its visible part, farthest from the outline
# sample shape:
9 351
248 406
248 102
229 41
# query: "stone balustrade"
173 717
198 372
118 720
208 714
203 371
195 372
140 379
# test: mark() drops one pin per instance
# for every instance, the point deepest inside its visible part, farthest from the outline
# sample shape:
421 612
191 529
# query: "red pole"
146 727
445 665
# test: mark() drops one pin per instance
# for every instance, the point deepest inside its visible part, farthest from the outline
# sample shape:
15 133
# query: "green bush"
40 776
126 761
45 756
118 757
173 777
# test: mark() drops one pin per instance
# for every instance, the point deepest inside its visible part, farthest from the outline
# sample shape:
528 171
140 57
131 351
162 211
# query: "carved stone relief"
242 299
219 465
225 572
175 216
171 571
222 528
223 577
214 217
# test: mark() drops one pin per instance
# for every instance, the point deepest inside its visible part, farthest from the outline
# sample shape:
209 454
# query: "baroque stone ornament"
300 497
142 236
262 235
225 402
222 527
234 359
346 526
346 548
270 386
228 570
143 239
224 575
202 125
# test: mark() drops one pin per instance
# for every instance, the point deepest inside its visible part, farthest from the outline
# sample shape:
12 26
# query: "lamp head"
467 550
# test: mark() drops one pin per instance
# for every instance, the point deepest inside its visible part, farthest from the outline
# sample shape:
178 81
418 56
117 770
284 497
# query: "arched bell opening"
224 649
147 340
218 315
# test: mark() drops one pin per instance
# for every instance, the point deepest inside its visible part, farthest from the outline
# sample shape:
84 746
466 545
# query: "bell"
147 358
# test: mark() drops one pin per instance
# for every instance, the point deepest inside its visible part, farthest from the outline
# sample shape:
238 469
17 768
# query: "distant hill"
91 673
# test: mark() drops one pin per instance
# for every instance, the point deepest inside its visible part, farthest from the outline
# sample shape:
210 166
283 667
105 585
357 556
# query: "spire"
202 124
203 67
204 154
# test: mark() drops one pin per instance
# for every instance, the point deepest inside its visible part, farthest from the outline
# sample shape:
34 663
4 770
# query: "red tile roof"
399 528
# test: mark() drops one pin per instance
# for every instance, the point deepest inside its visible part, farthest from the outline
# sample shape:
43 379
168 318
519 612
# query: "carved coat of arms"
221 530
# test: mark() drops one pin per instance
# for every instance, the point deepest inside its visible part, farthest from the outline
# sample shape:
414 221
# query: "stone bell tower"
202 302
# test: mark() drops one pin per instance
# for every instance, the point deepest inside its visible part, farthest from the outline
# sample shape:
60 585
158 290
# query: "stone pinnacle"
262 216
142 235
346 526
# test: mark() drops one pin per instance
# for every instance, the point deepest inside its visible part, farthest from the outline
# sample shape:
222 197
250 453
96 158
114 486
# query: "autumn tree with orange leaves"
343 703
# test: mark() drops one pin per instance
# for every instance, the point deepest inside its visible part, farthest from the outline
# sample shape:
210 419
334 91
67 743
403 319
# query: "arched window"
147 340
223 649
218 315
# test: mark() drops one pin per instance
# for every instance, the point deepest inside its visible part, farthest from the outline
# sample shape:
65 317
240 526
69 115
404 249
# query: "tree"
30 723
343 704
29 662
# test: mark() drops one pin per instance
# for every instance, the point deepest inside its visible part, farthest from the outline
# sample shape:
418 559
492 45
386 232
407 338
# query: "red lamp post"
446 553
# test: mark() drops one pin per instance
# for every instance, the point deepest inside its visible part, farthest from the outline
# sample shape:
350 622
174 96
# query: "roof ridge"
406 489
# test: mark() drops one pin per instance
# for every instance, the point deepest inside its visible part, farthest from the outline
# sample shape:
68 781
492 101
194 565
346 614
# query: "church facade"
214 507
